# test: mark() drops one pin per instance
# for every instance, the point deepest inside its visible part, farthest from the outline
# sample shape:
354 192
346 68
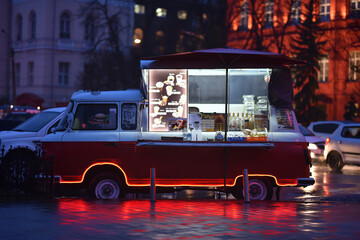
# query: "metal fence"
25 173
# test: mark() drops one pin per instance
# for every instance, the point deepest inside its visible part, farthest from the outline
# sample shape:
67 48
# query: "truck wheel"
106 186
259 189
335 161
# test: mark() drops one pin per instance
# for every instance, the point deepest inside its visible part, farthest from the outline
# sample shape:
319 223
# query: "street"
329 209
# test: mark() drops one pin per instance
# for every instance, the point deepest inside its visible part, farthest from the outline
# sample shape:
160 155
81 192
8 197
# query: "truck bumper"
303 182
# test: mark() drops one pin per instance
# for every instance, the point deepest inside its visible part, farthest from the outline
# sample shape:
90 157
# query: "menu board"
284 119
168 100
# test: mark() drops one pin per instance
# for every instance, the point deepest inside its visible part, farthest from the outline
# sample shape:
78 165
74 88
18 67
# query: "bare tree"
109 64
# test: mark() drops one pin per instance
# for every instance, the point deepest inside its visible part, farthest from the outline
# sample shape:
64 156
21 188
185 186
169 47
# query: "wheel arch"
97 169
268 178
25 150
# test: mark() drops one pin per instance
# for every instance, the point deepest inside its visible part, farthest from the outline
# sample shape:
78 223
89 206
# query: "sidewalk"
178 219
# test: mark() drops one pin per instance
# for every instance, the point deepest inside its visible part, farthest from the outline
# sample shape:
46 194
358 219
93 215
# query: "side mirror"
70 121
53 130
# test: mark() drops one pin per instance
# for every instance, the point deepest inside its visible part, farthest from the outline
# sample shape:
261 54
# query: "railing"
25 173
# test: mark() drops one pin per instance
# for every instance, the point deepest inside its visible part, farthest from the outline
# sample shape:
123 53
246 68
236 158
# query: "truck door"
93 138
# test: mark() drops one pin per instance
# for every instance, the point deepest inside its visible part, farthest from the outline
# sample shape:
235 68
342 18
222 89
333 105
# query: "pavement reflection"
177 219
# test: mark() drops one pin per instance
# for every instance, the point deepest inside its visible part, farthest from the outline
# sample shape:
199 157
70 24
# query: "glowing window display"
168 100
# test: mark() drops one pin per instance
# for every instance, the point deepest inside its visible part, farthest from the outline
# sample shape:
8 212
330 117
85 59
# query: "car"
325 128
316 143
26 137
343 146
13 119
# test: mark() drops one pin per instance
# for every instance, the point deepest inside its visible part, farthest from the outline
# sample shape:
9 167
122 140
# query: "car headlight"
312 146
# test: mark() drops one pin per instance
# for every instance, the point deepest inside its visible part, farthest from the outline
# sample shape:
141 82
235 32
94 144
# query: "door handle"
111 144
339 142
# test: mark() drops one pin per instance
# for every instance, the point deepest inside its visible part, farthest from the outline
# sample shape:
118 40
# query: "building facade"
269 25
166 27
49 38
5 51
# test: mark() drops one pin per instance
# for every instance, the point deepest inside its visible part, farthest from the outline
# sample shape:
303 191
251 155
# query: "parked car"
316 143
25 137
13 119
325 128
343 146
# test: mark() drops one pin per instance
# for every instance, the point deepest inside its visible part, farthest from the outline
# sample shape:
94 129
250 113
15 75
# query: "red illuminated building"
268 26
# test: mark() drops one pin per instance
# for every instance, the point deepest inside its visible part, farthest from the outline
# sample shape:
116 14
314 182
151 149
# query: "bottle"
228 121
232 122
246 122
242 121
251 121
237 122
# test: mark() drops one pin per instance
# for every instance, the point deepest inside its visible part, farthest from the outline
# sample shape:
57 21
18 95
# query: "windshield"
305 131
37 122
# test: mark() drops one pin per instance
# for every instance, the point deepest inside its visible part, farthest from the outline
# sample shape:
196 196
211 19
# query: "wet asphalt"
328 210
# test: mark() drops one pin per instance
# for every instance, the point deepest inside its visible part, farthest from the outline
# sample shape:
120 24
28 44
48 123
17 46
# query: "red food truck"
200 119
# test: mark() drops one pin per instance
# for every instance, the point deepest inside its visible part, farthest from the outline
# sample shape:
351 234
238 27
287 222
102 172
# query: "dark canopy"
280 88
218 58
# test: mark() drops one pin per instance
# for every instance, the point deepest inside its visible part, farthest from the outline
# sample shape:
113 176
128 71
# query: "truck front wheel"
106 186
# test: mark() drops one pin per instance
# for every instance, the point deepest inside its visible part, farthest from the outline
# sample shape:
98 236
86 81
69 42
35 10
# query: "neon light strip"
174 185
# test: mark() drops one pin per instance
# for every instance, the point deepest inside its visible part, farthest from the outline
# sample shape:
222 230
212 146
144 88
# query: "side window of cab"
95 117
128 116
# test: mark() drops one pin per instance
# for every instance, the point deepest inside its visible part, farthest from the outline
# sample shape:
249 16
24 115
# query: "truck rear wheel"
259 189
106 186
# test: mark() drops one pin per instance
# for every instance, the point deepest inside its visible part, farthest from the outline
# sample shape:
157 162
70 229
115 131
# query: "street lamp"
12 57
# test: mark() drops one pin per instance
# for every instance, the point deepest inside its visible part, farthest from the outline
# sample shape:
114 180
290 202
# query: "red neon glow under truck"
198 126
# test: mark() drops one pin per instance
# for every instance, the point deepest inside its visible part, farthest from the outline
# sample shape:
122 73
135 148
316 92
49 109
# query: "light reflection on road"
329 185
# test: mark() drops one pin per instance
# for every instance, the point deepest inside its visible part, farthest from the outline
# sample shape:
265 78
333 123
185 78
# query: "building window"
244 16
269 13
161 12
65 26
324 69
355 9
180 43
325 10
204 17
354 66
89 30
19 24
182 14
31 73
32 25
296 12
138 37
64 73
139 9
17 73
159 42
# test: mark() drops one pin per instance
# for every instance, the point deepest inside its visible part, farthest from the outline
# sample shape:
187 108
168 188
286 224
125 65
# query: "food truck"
199 119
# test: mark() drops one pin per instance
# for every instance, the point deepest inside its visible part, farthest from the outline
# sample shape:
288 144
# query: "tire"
335 161
259 189
19 171
106 186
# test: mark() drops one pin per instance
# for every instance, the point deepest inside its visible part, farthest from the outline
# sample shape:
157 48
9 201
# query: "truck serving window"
95 117
128 116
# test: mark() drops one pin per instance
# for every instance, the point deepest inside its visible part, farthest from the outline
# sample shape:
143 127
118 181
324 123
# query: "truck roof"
131 95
